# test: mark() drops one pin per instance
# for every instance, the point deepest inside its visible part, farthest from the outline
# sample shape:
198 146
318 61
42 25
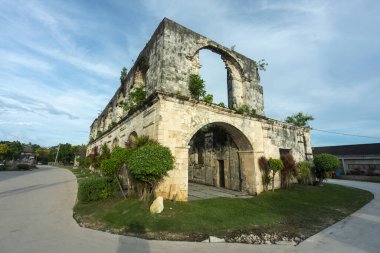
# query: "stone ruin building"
211 144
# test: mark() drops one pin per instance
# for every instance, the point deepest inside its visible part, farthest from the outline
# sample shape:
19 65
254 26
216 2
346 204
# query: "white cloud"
19 123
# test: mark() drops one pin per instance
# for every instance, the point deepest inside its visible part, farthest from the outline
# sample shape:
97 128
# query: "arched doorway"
216 159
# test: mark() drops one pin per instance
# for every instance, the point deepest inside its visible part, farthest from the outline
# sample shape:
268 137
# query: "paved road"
36 216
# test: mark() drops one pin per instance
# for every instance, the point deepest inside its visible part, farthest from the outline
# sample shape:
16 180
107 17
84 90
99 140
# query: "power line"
331 132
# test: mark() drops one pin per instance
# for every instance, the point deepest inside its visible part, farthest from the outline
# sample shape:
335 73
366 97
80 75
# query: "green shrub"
99 134
221 104
136 97
23 166
325 163
196 86
305 175
84 162
149 163
253 112
143 140
111 125
208 98
106 153
289 171
110 167
265 172
243 109
275 165
95 187
121 155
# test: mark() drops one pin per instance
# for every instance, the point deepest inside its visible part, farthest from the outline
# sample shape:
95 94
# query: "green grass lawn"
302 210
80 172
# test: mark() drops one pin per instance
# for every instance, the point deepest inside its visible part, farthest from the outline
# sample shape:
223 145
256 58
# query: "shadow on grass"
136 227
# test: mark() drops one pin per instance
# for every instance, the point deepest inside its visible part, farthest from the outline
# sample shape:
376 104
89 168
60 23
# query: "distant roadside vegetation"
12 154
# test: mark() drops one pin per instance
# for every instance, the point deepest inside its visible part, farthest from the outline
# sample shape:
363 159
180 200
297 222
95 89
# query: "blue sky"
61 60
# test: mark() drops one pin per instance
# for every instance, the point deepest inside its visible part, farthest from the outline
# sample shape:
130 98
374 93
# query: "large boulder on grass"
157 205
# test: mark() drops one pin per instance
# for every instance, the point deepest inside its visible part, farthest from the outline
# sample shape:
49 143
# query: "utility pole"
56 157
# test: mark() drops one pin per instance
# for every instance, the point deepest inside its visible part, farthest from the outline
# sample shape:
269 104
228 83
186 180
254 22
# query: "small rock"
157 205
216 239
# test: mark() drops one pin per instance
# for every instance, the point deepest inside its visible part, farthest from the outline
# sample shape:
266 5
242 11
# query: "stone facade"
231 149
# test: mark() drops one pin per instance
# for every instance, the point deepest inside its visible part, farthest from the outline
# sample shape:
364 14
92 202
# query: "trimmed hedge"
324 163
95 187
149 163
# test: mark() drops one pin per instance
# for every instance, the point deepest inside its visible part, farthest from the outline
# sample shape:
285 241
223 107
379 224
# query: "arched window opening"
131 139
213 71
115 143
138 80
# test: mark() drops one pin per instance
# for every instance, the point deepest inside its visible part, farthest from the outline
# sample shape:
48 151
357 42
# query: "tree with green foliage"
304 175
42 155
3 151
14 149
275 165
52 153
149 163
299 119
324 163
66 154
197 86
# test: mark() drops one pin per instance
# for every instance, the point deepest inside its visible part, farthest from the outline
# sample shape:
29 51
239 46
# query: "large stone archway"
219 155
